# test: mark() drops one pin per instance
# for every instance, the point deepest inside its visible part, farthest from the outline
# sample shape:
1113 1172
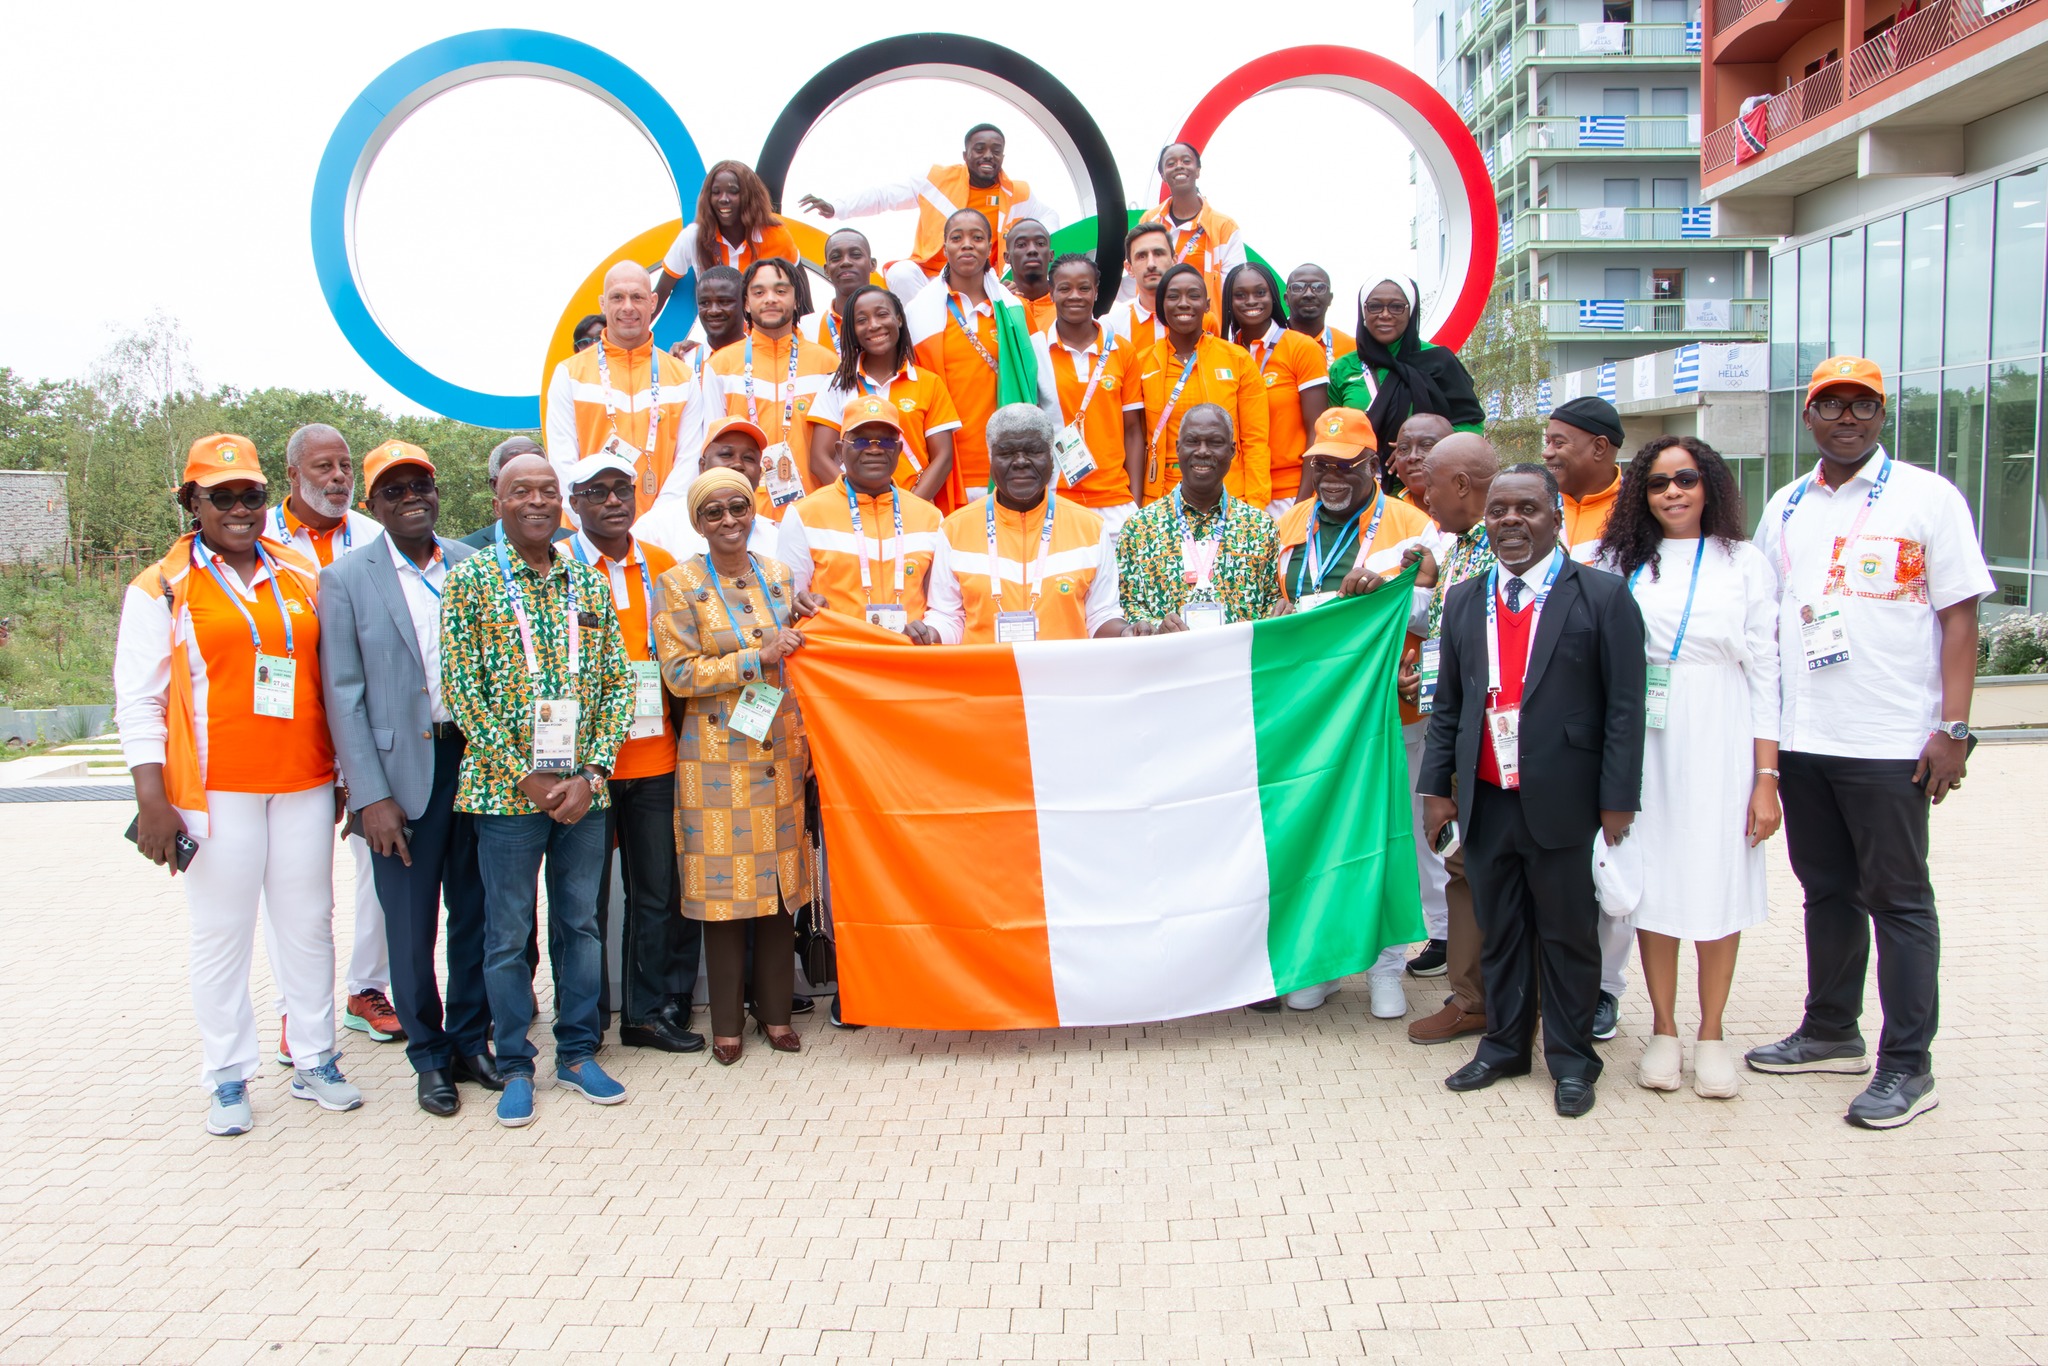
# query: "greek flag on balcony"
1685 369
1695 36
1507 62
1603 130
1543 404
1696 222
1486 155
1507 234
1493 406
1604 384
1601 315
1466 102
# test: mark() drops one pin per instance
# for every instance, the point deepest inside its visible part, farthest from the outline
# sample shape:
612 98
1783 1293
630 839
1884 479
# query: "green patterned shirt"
1472 555
486 688
1153 582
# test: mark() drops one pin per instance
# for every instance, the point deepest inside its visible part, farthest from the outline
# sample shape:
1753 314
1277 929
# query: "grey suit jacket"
375 681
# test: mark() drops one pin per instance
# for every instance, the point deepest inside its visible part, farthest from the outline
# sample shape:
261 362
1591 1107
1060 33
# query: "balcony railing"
1900 48
1569 42
1665 132
1535 227
1728 13
1562 316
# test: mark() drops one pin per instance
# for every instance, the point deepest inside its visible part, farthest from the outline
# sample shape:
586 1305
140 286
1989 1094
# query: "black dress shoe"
1574 1096
1269 1006
832 1014
1477 1076
662 1032
437 1093
480 1068
801 1005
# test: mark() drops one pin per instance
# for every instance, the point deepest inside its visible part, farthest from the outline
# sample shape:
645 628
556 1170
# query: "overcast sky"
162 157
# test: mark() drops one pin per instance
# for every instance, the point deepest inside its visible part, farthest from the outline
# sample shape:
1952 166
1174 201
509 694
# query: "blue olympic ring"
386 103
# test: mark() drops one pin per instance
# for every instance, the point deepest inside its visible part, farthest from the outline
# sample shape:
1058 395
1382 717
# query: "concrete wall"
35 517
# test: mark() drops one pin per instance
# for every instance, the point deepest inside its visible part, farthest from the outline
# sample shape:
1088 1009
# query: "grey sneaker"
1893 1099
1798 1053
326 1085
230 1114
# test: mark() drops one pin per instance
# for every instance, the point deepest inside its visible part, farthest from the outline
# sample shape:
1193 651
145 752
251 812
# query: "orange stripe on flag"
931 829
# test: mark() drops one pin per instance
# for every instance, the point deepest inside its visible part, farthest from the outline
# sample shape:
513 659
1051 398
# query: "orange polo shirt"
1039 314
1208 242
1335 343
640 756
1102 426
244 752
1289 363
971 381
1226 375
824 556
1585 519
780 406
922 403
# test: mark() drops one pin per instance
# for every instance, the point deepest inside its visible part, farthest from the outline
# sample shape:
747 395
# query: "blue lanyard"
283 614
646 586
1180 526
1308 575
733 615
348 533
1173 399
1678 641
407 561
1493 617
1884 474
953 307
519 617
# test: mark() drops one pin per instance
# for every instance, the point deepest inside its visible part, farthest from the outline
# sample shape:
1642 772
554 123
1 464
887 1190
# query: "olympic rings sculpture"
1440 137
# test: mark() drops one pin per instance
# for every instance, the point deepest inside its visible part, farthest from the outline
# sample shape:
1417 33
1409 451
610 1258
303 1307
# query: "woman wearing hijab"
1395 374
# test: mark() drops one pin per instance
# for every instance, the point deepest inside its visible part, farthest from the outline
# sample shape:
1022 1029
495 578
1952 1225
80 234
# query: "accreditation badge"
1656 695
647 699
1310 601
1426 667
1823 637
554 734
630 453
1205 615
276 684
1070 450
1016 628
1503 731
754 714
890 616
778 472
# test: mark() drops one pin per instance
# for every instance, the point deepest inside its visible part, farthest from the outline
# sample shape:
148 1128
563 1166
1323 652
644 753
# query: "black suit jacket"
1582 706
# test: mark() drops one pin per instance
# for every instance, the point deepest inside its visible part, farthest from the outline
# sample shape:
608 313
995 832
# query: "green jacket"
1347 389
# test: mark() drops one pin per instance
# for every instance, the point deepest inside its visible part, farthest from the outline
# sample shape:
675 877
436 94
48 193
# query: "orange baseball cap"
223 458
1851 370
389 456
1344 434
866 411
736 424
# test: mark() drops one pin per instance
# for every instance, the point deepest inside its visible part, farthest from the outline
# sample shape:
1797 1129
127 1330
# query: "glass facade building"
1947 296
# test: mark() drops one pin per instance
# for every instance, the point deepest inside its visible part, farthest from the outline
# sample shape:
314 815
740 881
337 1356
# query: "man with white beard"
316 520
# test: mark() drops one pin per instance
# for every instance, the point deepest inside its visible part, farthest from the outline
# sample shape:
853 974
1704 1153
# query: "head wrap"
1591 414
1407 389
713 482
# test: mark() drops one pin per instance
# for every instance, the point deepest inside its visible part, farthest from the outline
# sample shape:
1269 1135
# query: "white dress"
1701 880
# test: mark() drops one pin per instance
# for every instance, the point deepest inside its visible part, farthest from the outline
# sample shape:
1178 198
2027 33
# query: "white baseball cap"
591 466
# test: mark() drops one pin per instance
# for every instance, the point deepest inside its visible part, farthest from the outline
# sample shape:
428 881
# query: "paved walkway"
1232 1188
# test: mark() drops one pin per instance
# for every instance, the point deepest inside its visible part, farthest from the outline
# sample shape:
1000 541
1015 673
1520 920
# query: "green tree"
1505 356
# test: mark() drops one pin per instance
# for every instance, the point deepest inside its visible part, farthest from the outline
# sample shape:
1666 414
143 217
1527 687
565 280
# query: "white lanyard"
646 584
788 389
348 535
860 546
1884 473
1493 620
1198 558
283 614
518 596
604 382
1034 579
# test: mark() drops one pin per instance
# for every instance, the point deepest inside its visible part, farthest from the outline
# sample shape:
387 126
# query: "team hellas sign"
1061 833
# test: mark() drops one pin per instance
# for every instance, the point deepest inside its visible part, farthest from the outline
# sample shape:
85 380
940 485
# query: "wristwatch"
595 776
1954 730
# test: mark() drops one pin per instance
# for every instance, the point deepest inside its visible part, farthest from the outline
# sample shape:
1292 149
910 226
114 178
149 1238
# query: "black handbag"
814 947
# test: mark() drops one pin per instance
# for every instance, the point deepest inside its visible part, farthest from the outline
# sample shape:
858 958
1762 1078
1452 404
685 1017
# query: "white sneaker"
1713 1070
230 1114
327 1086
1389 1002
1662 1062
1310 998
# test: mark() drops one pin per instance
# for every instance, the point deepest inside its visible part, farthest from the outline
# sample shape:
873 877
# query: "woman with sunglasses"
876 359
725 625
217 697
1710 757
1395 374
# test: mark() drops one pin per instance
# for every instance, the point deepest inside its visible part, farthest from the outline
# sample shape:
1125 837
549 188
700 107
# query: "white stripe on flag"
1150 839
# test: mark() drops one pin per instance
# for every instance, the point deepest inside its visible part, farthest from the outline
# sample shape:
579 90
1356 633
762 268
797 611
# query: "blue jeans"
510 850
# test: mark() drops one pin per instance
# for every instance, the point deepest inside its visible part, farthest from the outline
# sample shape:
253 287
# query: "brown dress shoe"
1447 1024
725 1054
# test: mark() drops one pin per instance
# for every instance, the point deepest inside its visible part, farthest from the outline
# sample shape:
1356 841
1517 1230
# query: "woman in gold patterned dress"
723 630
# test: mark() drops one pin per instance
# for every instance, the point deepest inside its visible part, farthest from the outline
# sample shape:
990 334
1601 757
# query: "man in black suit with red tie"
1535 745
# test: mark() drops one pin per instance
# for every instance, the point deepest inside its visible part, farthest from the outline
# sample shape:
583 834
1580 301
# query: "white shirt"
422 589
357 530
1915 555
667 525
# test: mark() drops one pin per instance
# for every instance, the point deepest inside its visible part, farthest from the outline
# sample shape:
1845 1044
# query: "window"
1670 193
1813 307
2016 305
1919 406
1667 284
1617 12
1883 265
1782 461
1441 51
1543 286
1621 194
1926 255
1670 101
2010 463
1962 431
1623 284
1845 307
1969 274
1784 272
1621 102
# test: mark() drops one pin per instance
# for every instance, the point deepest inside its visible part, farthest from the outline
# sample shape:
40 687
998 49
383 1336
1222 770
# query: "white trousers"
906 279
276 853
369 961
1429 869
1617 937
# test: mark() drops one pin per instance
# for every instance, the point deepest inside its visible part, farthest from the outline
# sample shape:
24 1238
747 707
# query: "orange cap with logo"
390 455
867 410
736 424
1343 434
1850 370
222 458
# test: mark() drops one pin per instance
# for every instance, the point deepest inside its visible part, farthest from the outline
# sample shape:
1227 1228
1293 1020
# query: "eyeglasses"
397 491
1862 409
1318 465
597 495
1685 479
227 500
862 445
1376 309
725 512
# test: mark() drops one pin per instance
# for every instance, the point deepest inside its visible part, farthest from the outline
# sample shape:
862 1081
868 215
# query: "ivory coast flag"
1110 832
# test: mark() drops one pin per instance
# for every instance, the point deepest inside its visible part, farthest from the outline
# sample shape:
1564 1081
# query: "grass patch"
59 627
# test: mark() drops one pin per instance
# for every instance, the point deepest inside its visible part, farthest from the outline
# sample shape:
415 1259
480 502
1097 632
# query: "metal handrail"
1552 133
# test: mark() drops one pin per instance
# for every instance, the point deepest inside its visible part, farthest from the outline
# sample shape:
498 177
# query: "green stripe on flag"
1333 786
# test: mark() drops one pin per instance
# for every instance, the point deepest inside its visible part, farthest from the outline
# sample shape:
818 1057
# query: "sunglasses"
398 490
734 511
1685 479
227 500
1318 465
862 445
1376 309
1862 409
597 495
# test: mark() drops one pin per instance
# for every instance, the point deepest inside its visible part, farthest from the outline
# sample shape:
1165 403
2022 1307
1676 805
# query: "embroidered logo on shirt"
1886 568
